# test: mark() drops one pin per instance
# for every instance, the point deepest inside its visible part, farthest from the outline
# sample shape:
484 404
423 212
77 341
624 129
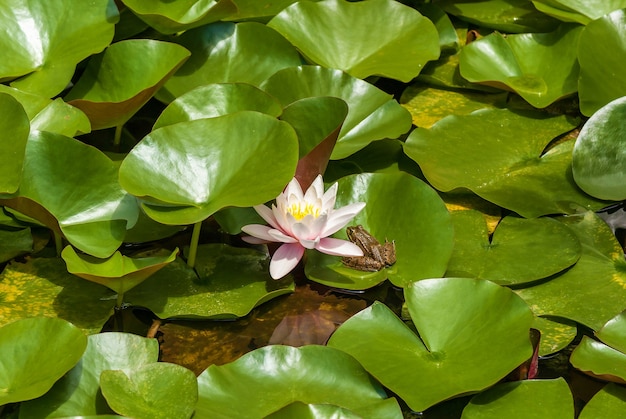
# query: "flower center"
299 210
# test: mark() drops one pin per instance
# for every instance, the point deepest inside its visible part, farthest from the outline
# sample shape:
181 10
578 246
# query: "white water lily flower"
303 221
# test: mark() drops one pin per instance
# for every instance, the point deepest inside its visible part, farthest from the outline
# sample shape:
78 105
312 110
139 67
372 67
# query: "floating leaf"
540 67
119 273
461 347
519 251
504 15
153 391
592 291
599 155
72 187
609 402
43 287
224 52
337 34
216 100
556 334
177 16
372 113
44 47
232 281
259 10
36 352
188 171
499 155
581 11
602 58
402 209
123 78
77 393
15 126
15 243
284 375
535 398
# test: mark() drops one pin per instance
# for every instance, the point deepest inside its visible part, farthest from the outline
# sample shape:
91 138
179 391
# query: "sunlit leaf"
259 10
45 40
337 34
461 347
188 171
223 52
599 156
74 187
499 155
581 11
504 15
556 334
519 250
402 209
43 287
152 391
177 16
609 402
540 67
312 374
592 291
372 113
600 360
123 78
531 398
15 126
119 273
36 352
232 281
77 393
602 58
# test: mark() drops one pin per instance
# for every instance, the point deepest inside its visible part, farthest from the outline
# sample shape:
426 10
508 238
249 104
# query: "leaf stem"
58 243
193 246
117 140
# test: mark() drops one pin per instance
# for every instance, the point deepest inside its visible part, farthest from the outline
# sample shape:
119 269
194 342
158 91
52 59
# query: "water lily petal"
310 244
258 231
293 192
339 218
253 240
315 191
267 214
285 259
301 231
279 236
328 200
338 247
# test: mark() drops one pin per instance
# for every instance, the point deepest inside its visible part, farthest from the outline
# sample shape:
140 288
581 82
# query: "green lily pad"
216 100
152 391
599 156
461 347
232 281
519 251
504 15
526 398
187 171
606 359
259 10
44 48
49 115
313 411
43 287
402 209
14 123
311 374
592 291
222 52
77 393
36 352
372 113
177 16
602 58
119 273
15 243
73 188
123 78
540 67
581 11
428 104
324 31
608 403
499 155
556 334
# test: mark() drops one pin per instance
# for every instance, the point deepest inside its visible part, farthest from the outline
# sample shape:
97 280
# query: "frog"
375 257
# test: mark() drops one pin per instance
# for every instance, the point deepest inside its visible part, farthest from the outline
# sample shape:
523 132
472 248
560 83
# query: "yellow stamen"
299 210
